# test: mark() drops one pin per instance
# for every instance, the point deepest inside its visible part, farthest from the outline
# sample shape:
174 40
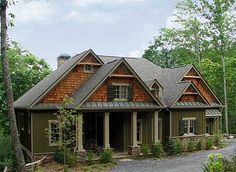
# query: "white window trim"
189 119
141 131
49 137
121 84
88 71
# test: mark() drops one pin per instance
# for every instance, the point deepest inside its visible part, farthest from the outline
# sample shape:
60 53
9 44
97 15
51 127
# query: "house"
124 102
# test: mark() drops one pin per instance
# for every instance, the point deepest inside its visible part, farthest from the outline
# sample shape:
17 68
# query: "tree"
9 94
29 71
204 32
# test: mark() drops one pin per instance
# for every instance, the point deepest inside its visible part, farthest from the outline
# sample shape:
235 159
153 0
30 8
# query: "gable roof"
90 86
34 94
205 82
192 103
144 70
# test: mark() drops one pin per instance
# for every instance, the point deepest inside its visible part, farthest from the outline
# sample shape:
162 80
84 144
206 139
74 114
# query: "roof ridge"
117 56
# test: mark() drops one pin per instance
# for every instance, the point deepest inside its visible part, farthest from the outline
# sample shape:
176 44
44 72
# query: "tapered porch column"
134 129
106 130
155 125
79 132
135 149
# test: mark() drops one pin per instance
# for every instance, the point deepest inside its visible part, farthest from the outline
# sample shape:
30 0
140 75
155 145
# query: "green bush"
145 149
217 139
190 145
229 165
6 153
214 164
175 147
209 144
106 156
70 158
199 145
157 149
90 157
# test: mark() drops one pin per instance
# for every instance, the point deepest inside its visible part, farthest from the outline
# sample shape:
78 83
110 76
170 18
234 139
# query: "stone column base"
134 150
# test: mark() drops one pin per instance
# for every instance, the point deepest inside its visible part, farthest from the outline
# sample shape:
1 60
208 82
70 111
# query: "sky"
48 28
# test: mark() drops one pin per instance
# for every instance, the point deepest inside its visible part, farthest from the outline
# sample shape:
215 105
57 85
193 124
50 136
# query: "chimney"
62 58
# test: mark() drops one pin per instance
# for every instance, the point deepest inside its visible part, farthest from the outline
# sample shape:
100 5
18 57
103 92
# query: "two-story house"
124 102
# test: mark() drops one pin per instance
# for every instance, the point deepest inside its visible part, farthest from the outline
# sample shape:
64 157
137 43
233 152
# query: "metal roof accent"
119 105
189 104
102 106
213 113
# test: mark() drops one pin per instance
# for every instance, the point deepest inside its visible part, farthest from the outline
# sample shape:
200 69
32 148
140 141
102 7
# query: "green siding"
164 115
178 115
40 137
216 125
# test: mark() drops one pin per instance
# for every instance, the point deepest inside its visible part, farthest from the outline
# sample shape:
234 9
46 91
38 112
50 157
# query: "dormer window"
88 68
155 91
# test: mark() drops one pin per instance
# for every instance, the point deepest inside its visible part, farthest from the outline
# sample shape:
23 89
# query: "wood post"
106 130
80 133
134 129
155 124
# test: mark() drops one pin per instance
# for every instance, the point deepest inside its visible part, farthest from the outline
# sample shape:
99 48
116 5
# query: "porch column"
134 129
106 131
80 148
155 124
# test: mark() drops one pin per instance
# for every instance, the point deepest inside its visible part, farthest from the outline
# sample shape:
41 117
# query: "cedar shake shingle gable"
35 93
146 71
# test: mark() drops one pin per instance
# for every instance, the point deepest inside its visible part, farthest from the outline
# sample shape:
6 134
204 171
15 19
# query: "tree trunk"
225 94
8 89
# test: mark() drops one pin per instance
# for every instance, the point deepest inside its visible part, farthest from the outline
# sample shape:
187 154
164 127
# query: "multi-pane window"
139 131
120 92
189 125
54 133
155 91
88 68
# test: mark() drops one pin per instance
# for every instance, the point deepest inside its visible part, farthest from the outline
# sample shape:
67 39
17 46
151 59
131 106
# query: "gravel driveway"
188 163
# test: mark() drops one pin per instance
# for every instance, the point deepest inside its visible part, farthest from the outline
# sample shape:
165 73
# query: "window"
189 125
155 92
88 68
121 92
139 131
54 133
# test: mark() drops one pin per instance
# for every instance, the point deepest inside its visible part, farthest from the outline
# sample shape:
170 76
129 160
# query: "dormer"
155 87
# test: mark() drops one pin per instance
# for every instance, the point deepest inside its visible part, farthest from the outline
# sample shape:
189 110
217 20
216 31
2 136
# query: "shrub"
106 156
145 149
70 158
90 157
229 165
157 149
214 164
209 144
190 145
217 139
175 147
199 145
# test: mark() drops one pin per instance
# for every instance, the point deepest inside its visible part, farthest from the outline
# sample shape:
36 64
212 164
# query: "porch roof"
213 113
119 105
102 106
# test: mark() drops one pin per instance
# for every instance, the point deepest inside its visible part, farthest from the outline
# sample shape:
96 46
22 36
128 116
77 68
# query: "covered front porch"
121 131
